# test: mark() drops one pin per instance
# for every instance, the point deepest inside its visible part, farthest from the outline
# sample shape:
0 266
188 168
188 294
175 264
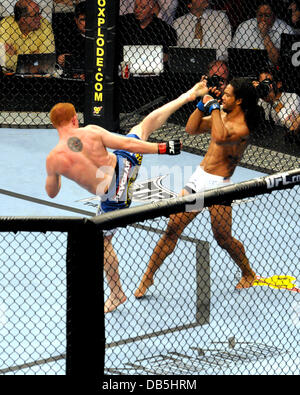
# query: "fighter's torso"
222 159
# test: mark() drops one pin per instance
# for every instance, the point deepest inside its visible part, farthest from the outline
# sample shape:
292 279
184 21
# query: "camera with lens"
264 88
214 81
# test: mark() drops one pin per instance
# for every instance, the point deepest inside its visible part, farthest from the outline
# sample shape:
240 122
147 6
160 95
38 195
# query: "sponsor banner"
283 179
101 71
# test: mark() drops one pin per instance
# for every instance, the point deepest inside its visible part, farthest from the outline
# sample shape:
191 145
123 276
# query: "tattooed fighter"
81 155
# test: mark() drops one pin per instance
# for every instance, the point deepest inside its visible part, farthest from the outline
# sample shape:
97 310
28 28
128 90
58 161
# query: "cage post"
101 93
85 302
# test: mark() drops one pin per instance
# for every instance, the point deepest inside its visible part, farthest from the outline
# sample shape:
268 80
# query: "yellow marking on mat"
277 282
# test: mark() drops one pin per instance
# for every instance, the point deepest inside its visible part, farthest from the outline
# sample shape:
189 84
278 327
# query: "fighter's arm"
273 52
53 180
229 134
198 123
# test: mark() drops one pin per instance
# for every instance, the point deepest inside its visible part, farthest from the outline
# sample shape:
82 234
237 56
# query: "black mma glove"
172 147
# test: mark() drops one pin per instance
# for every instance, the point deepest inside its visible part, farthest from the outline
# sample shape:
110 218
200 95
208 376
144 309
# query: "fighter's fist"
172 147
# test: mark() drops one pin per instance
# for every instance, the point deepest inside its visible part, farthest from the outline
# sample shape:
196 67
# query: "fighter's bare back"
81 156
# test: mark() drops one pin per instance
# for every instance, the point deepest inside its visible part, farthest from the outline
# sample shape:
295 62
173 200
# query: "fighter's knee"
223 241
169 239
173 231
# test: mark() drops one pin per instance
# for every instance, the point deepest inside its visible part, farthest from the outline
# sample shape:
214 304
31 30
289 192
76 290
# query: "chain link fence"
43 291
33 303
230 45
191 321
226 31
42 60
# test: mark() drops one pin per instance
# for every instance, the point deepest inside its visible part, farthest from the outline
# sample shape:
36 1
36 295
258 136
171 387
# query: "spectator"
143 27
203 27
46 7
216 68
164 9
64 5
280 108
219 68
294 9
263 32
237 10
25 33
71 49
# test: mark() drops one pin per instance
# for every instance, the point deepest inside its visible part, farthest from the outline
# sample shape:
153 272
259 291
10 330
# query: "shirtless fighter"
230 129
81 155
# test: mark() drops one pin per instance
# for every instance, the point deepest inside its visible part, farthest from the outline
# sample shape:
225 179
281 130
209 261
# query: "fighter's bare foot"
144 285
246 281
200 89
113 302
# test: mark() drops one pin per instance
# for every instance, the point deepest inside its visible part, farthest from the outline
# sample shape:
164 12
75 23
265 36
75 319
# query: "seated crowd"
45 26
34 27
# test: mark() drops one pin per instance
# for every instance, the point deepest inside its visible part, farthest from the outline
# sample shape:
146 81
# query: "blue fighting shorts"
119 194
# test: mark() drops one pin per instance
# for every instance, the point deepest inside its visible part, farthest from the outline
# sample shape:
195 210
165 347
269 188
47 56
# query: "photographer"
217 79
280 108
218 74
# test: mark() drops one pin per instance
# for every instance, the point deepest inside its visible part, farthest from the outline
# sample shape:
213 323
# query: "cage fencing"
192 320
42 295
230 46
226 44
191 317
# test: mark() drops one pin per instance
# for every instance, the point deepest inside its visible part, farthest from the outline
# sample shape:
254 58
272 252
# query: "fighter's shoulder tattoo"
75 144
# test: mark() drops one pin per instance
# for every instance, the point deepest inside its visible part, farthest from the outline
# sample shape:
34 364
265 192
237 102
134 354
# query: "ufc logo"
275 181
171 147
